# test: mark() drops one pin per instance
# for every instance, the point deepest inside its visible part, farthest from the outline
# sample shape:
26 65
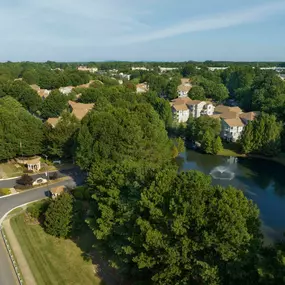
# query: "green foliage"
58 216
53 105
23 93
272 265
171 88
133 131
197 93
179 143
36 210
262 136
81 193
217 145
60 140
174 228
18 126
207 142
4 191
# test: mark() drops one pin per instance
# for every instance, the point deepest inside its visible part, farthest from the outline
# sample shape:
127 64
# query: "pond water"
261 180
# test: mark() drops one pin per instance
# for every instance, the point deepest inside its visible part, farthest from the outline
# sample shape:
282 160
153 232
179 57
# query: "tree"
179 143
207 142
271 267
197 93
171 88
170 228
18 127
25 180
31 76
132 131
262 136
60 140
217 145
58 217
53 105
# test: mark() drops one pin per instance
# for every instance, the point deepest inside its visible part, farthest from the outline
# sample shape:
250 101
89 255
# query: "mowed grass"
8 170
52 260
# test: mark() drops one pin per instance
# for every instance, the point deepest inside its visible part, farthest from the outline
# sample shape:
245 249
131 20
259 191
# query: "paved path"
7 273
21 260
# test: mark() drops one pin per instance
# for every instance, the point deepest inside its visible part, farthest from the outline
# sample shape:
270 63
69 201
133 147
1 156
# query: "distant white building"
88 69
184 107
217 68
184 88
165 69
125 76
140 68
66 90
232 129
142 87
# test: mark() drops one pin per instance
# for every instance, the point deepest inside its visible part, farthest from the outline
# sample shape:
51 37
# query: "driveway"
7 274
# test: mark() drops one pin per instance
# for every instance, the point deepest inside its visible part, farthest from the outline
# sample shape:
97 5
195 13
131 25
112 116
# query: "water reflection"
261 180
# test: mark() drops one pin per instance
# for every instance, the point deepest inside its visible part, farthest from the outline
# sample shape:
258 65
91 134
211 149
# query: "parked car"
56 162
39 181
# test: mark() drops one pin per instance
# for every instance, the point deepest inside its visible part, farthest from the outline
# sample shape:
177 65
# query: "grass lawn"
230 149
52 260
8 170
4 191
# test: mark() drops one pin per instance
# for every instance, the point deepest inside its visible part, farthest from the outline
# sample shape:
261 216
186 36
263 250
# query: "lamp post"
47 174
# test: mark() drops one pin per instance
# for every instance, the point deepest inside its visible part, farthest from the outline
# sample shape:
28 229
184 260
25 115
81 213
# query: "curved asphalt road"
7 273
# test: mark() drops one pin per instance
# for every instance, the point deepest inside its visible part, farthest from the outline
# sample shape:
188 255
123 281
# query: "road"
7 273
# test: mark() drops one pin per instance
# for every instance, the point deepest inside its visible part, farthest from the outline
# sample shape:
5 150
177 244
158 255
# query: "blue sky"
168 30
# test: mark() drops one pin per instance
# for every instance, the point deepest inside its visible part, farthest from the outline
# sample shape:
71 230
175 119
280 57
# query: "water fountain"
222 173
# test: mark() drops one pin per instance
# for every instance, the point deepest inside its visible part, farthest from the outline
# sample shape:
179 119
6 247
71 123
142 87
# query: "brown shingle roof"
250 116
80 110
234 122
57 190
228 115
184 88
52 121
195 102
185 80
180 100
180 107
222 109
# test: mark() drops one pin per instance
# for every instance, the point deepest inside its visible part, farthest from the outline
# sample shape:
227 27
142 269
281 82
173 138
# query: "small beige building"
57 191
33 163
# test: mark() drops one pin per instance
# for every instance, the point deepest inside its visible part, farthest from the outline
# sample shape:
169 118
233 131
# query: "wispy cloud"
219 21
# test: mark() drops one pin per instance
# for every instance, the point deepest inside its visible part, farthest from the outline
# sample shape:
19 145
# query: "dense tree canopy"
174 229
60 140
132 132
53 105
262 136
20 132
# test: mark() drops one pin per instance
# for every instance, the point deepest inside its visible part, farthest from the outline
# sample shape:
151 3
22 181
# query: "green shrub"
4 191
81 193
38 209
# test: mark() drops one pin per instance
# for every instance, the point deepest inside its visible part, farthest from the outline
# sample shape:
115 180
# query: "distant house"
248 117
232 129
140 68
184 107
53 121
142 87
184 88
217 68
88 69
57 191
35 87
44 93
66 90
125 76
32 163
87 85
80 110
166 69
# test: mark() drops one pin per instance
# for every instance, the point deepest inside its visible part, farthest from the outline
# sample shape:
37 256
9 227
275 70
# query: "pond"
261 180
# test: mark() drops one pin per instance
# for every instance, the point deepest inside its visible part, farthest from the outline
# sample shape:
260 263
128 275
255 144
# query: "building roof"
185 80
181 100
184 88
33 160
195 102
222 109
228 115
180 107
35 87
57 190
80 110
52 121
43 92
215 116
250 116
142 87
234 122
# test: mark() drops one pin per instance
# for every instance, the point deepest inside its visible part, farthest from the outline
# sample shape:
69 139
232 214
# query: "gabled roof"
185 80
57 190
181 100
234 122
249 116
228 115
195 102
222 109
180 107
52 121
80 110
184 88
